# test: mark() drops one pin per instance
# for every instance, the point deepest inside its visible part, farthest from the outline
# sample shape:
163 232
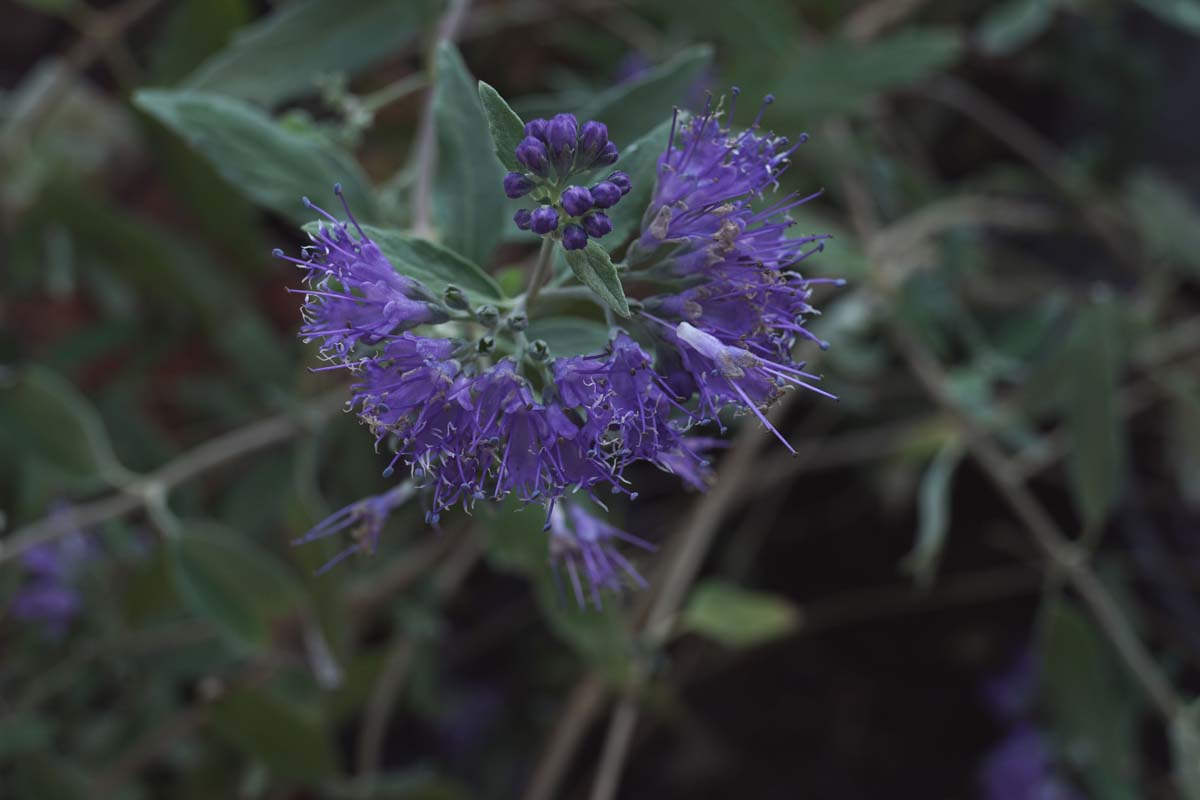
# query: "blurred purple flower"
1022 767
47 596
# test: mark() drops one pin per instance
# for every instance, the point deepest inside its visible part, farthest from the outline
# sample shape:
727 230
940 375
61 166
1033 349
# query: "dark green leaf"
595 270
468 202
640 161
1183 14
1183 444
1011 25
1167 219
273 165
1185 749
738 617
289 742
933 513
631 109
1096 449
23 733
194 30
231 582
284 53
430 263
1094 710
841 76
505 126
48 418
570 336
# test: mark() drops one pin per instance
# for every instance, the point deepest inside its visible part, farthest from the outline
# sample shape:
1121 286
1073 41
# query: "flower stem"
540 269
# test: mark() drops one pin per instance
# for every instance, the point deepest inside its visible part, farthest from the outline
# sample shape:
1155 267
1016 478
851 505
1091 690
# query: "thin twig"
583 705
197 461
425 149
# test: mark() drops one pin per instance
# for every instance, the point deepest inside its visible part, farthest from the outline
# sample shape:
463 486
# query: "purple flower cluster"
484 418
552 152
729 334
48 596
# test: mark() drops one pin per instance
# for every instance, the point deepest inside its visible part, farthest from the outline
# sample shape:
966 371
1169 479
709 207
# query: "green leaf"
1096 448
49 418
595 270
193 30
841 76
1183 443
1011 25
737 617
468 201
273 165
640 161
291 743
283 54
231 582
1167 220
570 336
1094 710
1185 750
505 126
430 263
933 513
631 109
23 733
1183 14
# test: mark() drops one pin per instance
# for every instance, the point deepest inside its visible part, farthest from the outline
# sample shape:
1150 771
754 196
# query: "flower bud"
544 220
523 218
608 156
576 200
454 298
539 351
597 224
516 322
536 128
488 316
517 185
561 135
574 237
605 194
621 181
593 136
533 155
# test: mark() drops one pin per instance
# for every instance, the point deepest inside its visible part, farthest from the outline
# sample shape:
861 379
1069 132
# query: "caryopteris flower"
470 409
585 547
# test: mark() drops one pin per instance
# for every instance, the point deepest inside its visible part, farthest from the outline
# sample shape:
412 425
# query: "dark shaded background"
1013 192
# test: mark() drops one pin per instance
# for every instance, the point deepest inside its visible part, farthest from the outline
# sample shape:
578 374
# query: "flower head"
48 596
586 548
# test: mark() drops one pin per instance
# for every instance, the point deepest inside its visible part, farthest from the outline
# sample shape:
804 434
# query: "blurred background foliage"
978 578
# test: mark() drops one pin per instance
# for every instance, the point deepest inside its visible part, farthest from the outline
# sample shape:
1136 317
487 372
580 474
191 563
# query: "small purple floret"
574 237
544 220
517 185
576 200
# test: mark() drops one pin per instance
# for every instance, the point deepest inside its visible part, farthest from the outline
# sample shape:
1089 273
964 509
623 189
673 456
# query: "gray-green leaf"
595 270
283 54
629 110
640 161
738 617
468 200
570 336
1096 452
430 263
1183 14
231 582
271 164
1185 749
505 126
933 513
1094 710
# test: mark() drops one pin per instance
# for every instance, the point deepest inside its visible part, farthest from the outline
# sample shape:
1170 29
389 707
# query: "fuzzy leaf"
631 109
271 164
505 126
468 202
570 336
595 270
430 263
933 513
640 161
229 581
738 617
291 743
283 54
